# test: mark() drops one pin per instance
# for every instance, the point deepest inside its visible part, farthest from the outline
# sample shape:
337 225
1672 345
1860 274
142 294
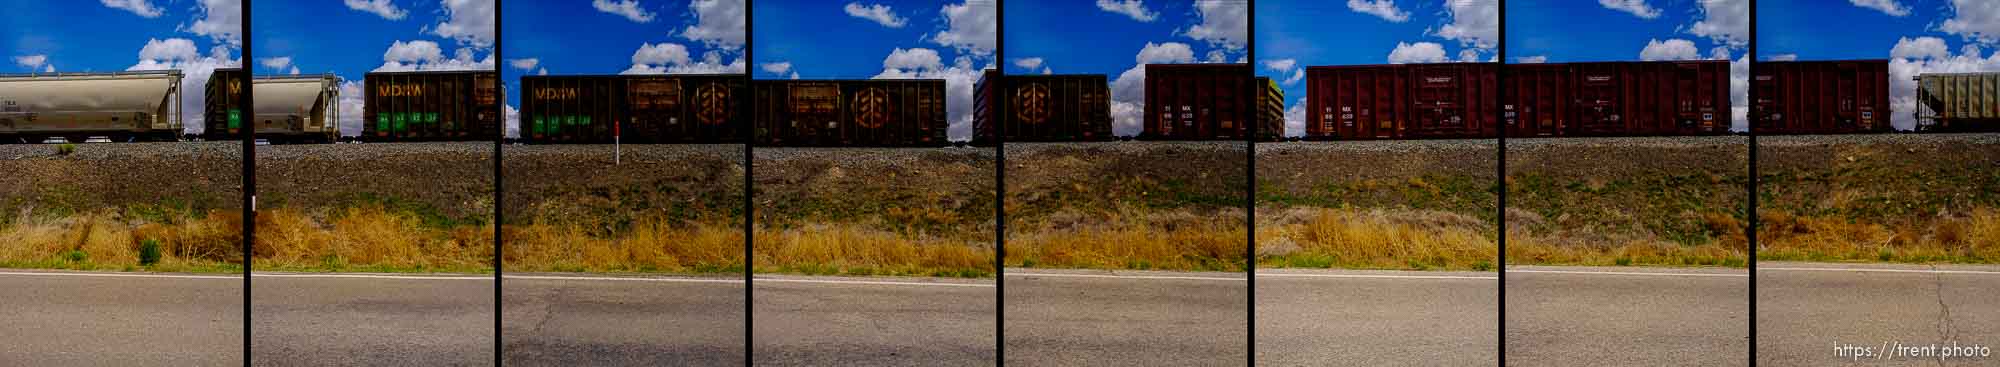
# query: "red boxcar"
1537 100
1199 101
1820 97
1402 101
1651 98
874 112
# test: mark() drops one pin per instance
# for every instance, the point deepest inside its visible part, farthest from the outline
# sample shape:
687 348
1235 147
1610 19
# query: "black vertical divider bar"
1250 193
749 190
499 190
999 184
249 173
1500 168
1750 62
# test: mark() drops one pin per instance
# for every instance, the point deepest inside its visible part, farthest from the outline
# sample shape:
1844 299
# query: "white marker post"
617 147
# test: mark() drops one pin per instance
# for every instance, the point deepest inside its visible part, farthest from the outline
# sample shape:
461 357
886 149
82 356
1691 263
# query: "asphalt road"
1079 318
1575 316
1805 311
65 320
1377 318
374 321
614 321
847 322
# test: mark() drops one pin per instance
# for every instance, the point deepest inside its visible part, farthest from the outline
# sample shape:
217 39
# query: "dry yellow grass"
1972 237
1176 240
1375 239
649 247
850 249
107 240
368 238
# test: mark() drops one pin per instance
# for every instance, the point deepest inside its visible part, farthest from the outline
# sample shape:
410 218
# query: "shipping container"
431 106
1410 101
290 108
1199 101
1651 98
633 108
874 112
1044 108
1820 97
1537 100
1958 102
141 105
1270 110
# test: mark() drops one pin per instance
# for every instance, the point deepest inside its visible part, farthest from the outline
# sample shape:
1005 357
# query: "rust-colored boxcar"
1270 110
878 112
1820 97
431 106
1651 98
290 108
1199 101
1072 107
1411 101
1958 102
1537 100
633 108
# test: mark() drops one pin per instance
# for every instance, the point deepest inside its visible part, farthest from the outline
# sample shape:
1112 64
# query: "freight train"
1407 101
1042 108
634 108
1468 100
73 107
290 108
876 112
431 106
1200 102
1820 97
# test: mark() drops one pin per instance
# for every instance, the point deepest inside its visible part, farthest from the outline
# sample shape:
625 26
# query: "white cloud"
385 8
629 9
143 8
180 54
1739 93
969 27
294 71
1782 57
1280 64
1136 9
1468 55
1537 59
524 63
718 23
470 22
1295 118
1913 57
221 21
1920 48
1975 20
1890 7
1128 91
1473 23
672 58
1417 53
276 63
776 68
1028 63
880 14
31 61
1224 23
1386 9
1673 49
1297 76
351 107
1046 70
50 68
513 125
542 71
422 55
959 78
1724 21
1637 8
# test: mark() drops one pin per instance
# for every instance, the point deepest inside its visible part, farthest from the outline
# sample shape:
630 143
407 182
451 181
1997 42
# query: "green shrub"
65 148
76 256
149 252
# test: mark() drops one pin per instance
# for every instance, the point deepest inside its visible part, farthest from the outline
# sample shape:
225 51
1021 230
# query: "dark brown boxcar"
850 112
1651 98
431 106
222 118
1075 107
1270 110
1537 99
1355 102
1820 97
1458 100
637 109
1199 101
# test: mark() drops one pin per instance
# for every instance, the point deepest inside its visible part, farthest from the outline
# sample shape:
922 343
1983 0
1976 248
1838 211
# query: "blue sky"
604 37
1118 37
879 39
72 36
1637 30
1915 36
353 38
1294 34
